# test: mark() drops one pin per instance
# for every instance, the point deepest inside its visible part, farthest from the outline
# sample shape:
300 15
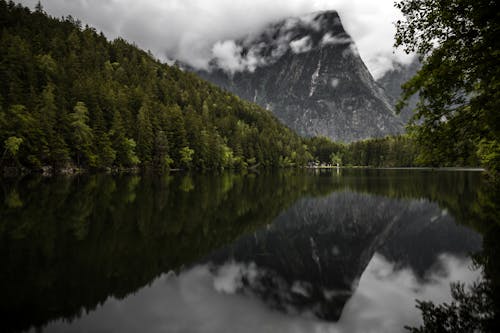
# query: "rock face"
308 72
391 82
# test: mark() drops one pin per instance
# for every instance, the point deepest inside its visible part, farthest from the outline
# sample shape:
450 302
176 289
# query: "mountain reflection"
249 250
204 299
312 257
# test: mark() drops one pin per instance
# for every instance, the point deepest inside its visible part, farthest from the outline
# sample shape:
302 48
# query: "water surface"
290 251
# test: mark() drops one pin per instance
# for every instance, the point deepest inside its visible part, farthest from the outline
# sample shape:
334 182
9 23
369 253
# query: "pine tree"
52 145
145 136
81 132
103 150
162 160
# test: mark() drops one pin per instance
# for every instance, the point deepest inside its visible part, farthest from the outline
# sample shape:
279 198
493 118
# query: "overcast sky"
188 29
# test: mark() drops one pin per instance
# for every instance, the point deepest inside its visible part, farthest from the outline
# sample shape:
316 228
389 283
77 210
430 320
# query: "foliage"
186 156
391 151
335 159
12 145
457 116
74 97
470 311
81 131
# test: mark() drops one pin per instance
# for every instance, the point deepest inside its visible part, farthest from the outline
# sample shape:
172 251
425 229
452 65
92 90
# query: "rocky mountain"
391 82
308 72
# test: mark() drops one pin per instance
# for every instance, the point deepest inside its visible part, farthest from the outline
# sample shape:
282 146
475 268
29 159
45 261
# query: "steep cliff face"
308 72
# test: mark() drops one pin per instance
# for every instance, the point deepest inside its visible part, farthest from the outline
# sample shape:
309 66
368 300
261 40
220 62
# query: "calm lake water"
290 251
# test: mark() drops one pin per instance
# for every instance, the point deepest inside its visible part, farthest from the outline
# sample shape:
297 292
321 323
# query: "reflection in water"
78 241
389 293
311 258
474 307
204 299
289 251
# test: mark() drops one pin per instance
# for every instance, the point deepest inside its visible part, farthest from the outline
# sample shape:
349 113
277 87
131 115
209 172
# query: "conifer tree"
81 132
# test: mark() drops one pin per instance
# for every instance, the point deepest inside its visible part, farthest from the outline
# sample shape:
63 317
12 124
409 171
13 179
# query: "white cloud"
228 56
228 278
188 30
301 45
388 292
329 39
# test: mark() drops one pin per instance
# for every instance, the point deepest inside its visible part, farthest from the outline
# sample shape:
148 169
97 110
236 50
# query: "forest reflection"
70 243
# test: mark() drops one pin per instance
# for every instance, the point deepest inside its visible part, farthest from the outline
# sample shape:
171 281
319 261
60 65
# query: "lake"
287 251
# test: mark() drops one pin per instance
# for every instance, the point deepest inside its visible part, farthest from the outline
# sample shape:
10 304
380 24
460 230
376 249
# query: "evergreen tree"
104 153
12 145
162 160
81 132
145 136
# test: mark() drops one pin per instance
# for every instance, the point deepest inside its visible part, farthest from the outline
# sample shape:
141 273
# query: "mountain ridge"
307 71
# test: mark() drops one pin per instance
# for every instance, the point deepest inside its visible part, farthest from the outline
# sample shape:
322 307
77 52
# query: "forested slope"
70 97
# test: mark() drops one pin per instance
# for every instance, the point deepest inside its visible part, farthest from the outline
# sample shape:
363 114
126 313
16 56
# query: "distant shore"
73 171
400 168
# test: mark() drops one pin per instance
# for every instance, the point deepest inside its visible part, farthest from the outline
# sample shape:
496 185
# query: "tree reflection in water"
475 307
273 244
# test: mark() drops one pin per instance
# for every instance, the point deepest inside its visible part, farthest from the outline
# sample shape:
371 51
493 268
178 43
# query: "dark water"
291 251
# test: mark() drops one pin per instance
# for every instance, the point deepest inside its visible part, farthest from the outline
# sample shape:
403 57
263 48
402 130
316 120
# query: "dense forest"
69 97
390 151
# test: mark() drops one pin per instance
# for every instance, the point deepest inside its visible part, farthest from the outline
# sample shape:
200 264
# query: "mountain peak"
319 21
299 34
327 18
316 26
307 71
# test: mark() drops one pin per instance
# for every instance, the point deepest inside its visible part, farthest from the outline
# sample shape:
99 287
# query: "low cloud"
228 55
301 45
329 39
192 30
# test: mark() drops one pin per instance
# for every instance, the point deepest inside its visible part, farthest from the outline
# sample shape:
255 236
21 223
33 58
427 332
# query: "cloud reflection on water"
213 299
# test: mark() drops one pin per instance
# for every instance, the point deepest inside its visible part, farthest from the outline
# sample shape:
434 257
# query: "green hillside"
71 98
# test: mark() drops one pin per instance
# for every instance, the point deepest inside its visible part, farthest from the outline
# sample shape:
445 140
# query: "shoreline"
401 168
48 172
